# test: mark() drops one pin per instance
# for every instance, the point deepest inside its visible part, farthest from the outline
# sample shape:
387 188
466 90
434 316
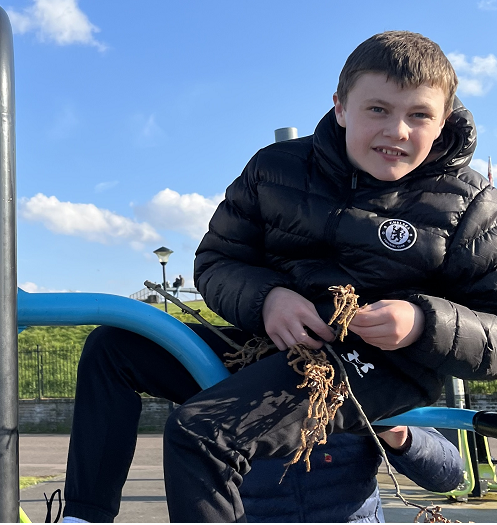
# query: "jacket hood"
457 142
454 147
329 145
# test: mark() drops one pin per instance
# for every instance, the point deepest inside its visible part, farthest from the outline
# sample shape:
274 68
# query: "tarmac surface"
144 499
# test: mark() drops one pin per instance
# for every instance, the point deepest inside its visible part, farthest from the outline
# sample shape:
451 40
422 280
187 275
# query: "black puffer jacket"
300 216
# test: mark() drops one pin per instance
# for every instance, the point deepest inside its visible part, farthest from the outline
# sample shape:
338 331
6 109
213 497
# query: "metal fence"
48 373
51 373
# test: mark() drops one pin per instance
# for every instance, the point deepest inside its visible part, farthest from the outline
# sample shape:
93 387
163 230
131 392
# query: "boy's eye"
420 115
377 109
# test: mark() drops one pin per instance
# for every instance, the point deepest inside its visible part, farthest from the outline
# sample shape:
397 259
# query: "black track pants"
116 364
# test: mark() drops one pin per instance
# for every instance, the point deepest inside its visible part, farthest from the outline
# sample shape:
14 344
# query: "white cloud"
104 186
189 213
476 75
30 287
481 166
477 66
487 5
472 86
60 21
86 221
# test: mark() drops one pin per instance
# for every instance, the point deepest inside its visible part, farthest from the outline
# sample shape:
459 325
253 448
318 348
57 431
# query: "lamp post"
163 254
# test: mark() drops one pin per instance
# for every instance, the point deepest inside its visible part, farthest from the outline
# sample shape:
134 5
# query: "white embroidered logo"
397 235
353 359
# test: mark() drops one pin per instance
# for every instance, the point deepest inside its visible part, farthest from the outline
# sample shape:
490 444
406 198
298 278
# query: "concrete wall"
55 415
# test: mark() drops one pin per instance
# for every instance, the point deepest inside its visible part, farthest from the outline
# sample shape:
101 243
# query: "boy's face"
390 130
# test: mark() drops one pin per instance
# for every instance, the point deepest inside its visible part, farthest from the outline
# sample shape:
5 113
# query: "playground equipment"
9 443
19 309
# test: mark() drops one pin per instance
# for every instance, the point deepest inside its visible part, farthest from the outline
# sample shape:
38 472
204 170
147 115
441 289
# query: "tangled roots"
324 398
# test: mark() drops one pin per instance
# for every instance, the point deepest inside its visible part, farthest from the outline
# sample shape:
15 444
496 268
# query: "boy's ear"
447 115
442 126
339 111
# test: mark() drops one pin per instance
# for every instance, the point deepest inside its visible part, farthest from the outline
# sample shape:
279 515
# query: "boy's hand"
389 324
396 437
286 314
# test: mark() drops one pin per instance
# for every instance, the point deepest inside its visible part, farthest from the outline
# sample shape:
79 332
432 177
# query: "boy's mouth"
389 151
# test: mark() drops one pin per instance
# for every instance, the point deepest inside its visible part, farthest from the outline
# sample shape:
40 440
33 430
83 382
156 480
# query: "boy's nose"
397 129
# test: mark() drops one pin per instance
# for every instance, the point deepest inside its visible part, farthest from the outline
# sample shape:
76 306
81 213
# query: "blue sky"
134 117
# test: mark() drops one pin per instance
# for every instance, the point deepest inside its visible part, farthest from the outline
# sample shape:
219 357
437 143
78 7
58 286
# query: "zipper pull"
354 180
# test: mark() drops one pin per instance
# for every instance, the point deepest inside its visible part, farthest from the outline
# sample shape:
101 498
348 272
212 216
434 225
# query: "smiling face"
389 130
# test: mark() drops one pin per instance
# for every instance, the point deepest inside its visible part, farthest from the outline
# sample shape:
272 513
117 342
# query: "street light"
163 254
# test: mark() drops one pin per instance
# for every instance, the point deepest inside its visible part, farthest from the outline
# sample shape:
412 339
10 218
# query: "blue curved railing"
67 309
440 417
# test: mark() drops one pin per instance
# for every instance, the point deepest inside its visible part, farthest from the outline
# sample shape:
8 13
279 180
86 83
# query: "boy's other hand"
396 437
286 314
389 324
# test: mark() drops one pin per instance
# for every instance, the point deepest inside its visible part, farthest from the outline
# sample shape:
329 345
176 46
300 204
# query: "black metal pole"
164 283
450 401
473 448
9 380
38 361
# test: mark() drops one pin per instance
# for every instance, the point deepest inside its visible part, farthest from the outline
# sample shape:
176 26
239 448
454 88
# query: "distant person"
179 282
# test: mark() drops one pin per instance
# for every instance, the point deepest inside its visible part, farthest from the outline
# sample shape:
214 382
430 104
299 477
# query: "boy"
379 197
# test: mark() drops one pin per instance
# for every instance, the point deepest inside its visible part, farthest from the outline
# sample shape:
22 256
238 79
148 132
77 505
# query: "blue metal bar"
439 417
67 309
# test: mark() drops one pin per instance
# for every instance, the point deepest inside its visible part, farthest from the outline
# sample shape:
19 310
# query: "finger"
370 332
368 318
320 328
280 344
300 336
289 339
376 336
311 342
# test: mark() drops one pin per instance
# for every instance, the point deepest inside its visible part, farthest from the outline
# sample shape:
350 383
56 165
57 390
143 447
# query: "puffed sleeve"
431 461
230 266
460 335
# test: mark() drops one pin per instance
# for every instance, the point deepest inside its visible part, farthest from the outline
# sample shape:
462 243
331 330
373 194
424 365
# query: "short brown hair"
410 59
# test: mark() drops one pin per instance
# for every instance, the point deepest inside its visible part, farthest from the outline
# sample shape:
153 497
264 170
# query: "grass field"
207 314
56 337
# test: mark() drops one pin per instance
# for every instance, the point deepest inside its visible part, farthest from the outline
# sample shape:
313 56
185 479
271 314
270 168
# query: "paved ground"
144 499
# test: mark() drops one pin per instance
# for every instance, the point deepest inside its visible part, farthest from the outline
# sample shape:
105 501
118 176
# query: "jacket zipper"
334 218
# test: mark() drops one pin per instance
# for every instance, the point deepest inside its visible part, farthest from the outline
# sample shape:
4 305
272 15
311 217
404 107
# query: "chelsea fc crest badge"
397 235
